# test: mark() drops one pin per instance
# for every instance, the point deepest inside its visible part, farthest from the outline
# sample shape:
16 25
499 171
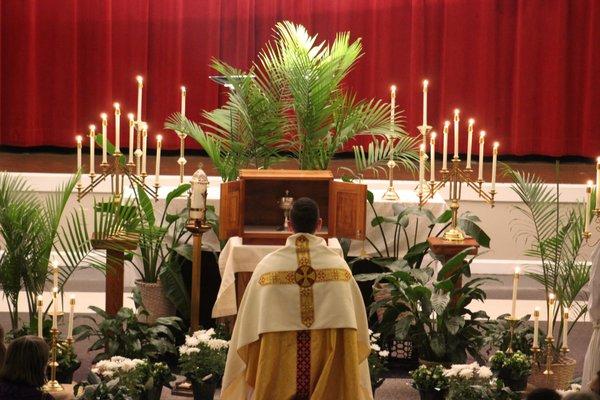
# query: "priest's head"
304 216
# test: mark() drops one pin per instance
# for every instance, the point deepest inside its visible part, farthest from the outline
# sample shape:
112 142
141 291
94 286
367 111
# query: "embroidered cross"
305 276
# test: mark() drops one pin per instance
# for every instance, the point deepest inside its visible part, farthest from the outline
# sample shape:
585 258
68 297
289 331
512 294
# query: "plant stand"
115 267
446 249
197 229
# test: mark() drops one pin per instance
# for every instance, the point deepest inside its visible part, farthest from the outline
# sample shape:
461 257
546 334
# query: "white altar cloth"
238 257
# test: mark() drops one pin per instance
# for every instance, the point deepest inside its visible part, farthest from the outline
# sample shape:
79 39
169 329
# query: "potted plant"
419 309
68 362
431 382
124 334
377 361
474 382
202 362
555 237
159 236
498 336
513 369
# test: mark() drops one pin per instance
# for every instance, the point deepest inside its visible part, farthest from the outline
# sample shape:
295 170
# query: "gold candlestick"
52 385
548 372
181 161
391 194
512 322
536 352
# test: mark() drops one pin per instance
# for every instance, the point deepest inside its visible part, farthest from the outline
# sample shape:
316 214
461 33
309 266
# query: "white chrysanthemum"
466 373
384 353
485 373
375 347
192 341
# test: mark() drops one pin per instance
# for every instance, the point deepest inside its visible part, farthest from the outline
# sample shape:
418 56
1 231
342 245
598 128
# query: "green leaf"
370 197
146 205
378 220
439 302
403 324
178 191
455 264
473 230
454 323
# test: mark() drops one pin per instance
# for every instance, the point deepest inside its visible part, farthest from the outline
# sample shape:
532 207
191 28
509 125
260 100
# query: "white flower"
192 341
485 373
466 373
375 347
384 353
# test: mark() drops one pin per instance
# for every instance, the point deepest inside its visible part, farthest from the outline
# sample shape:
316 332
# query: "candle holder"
549 346
391 193
455 177
512 322
181 161
52 386
535 350
424 130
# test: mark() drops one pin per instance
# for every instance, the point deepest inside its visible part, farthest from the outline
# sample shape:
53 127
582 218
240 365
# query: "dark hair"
543 394
582 396
26 361
304 215
2 346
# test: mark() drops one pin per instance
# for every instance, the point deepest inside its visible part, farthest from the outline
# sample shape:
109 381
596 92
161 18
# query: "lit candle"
551 300
432 155
470 142
481 143
392 107
54 265
158 147
536 327
140 82
425 84
565 335
597 184
183 93
131 145
54 307
421 167
588 203
144 147
445 152
514 292
40 313
71 316
104 117
78 139
456 119
92 146
117 128
494 164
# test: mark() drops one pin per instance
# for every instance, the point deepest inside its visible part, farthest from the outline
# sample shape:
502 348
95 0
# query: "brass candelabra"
52 385
455 177
512 321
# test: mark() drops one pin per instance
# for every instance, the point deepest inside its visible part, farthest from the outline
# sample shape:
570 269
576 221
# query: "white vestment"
591 364
276 301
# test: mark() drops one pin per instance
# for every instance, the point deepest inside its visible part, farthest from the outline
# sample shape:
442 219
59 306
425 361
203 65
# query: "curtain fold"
528 71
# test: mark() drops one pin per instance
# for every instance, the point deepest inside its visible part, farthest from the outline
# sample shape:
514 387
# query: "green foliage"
203 356
485 390
419 309
429 378
67 357
95 389
512 366
125 335
377 361
554 235
498 334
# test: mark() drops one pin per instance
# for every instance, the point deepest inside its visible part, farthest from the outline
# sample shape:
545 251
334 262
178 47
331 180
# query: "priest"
301 331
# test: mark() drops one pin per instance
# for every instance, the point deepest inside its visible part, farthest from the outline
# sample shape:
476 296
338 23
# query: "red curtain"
528 71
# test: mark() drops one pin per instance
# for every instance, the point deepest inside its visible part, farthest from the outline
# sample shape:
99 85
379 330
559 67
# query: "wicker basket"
562 375
155 301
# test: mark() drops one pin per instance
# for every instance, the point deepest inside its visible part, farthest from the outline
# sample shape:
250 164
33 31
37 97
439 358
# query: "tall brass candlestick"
391 194
52 386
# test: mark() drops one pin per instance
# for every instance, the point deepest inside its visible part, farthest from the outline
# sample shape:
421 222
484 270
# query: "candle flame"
393 88
433 135
496 145
425 84
116 106
482 134
471 121
159 138
446 124
40 300
130 116
551 298
590 184
183 89
536 309
139 79
598 160
54 290
78 139
517 270
103 116
456 111
92 128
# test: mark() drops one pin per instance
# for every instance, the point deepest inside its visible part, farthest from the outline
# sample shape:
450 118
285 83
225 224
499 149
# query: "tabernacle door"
347 210
231 209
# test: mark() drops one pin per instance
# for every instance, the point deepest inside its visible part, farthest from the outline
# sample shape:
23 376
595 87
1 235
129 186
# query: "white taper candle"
421 167
40 315
117 128
78 140
183 94
130 117
92 148
432 156
456 120
445 152
514 292
481 153
54 307
392 107
425 85
551 301
104 117
71 316
494 164
588 203
565 333
470 142
140 82
144 147
536 327
158 150
597 184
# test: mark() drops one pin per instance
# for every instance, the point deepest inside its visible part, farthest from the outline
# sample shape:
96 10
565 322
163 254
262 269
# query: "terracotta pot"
154 300
562 375
204 390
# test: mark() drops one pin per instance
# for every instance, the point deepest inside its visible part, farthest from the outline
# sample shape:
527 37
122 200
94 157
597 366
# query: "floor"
61 162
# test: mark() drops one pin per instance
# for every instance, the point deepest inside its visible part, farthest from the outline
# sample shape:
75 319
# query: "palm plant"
554 236
31 230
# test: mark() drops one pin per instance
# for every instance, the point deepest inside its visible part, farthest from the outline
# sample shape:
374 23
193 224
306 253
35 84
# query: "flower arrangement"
429 379
377 360
140 378
515 366
475 382
202 357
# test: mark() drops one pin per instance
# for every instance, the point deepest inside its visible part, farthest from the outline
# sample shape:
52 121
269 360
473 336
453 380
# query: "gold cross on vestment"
305 276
